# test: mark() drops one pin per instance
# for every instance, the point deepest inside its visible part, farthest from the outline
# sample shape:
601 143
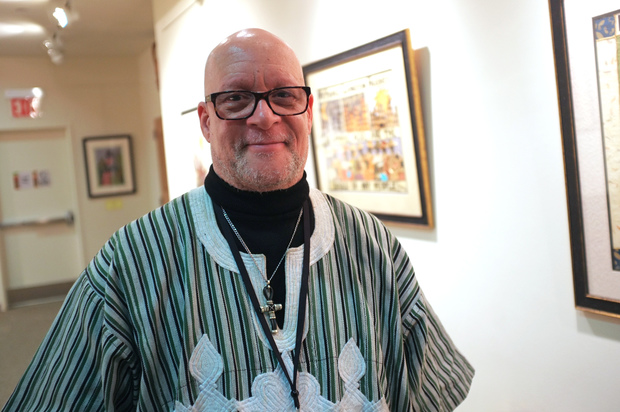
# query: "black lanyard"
303 293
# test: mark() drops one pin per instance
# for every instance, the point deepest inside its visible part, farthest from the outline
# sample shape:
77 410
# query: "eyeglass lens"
285 101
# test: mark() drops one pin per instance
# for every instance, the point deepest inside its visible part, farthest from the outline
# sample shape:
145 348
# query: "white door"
37 184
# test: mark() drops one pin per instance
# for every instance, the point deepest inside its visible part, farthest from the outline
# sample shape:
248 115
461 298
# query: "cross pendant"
271 308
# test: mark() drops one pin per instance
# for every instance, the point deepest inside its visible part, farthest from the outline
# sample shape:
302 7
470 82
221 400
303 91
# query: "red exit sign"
22 107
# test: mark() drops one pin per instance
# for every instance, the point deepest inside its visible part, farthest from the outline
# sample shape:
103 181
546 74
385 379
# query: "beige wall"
93 97
162 7
497 267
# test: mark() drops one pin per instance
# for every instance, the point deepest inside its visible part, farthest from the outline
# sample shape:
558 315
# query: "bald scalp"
249 42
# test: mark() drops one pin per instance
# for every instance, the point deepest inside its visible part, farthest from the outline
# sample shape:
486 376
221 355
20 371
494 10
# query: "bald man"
254 292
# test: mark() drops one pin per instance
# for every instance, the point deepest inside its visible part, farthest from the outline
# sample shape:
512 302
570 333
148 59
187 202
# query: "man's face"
264 152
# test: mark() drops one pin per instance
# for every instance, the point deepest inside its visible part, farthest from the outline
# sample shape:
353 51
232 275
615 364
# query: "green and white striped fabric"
160 320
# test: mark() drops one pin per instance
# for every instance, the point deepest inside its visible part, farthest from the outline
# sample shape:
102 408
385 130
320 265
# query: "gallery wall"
497 265
93 97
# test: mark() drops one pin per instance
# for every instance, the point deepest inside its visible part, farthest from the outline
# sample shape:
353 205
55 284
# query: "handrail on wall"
68 218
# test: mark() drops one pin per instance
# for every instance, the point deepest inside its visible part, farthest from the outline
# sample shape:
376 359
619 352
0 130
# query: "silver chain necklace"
271 307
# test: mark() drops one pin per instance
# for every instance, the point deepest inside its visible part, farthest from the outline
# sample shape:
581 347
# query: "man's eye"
282 94
235 97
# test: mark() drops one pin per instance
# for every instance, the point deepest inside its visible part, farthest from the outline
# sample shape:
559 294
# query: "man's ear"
309 113
205 120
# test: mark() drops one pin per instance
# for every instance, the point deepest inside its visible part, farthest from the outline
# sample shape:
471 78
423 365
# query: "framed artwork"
586 40
368 136
109 165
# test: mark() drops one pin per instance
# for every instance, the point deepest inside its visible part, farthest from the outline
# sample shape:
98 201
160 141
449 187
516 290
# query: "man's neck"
265 222
255 205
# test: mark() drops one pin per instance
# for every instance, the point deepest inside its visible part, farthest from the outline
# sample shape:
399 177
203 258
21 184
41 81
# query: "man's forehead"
241 64
253 77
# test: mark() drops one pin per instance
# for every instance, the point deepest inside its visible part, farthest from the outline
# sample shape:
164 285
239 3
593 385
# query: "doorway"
40 245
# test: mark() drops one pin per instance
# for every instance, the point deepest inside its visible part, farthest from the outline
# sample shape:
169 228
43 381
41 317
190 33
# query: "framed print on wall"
109 165
586 40
368 136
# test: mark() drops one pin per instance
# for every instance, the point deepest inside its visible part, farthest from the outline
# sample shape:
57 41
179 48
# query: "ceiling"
100 27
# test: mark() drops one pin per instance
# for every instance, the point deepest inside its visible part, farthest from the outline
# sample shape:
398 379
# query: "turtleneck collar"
266 204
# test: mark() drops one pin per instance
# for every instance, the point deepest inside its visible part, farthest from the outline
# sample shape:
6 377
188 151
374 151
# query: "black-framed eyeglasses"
241 104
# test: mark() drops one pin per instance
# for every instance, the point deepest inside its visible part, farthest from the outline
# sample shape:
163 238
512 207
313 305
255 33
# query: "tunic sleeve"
439 375
83 362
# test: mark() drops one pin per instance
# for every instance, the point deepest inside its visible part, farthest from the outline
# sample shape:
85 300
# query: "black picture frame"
109 165
584 274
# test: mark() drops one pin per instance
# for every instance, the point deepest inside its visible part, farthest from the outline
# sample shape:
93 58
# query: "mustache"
257 137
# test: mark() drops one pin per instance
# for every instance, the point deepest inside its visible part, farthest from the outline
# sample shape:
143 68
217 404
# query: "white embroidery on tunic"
206 367
271 390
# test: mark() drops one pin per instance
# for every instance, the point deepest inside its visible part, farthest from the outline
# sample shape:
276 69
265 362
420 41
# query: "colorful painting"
363 143
607 46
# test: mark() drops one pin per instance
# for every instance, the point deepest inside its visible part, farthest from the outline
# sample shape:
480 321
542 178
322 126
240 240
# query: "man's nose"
263 116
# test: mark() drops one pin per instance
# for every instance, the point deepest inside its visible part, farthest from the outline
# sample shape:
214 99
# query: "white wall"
93 97
497 266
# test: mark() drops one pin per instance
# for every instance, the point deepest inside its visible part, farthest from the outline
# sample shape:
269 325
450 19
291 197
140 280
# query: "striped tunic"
160 320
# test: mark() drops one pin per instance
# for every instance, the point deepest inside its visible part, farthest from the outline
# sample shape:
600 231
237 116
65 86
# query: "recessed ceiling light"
22 1
14 29
8 29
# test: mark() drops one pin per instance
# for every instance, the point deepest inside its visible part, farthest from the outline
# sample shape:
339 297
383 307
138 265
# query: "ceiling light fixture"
61 16
16 29
54 48
64 16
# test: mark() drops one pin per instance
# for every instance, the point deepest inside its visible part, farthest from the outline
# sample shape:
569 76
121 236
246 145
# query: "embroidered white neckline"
321 242
271 391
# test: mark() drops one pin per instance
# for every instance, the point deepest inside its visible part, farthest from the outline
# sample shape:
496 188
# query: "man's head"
265 151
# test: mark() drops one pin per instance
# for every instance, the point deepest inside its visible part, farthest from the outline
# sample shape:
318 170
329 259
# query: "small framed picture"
109 166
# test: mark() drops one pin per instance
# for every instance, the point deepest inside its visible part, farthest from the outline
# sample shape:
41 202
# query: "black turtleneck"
265 221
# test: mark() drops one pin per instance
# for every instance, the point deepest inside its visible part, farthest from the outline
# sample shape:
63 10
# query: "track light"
54 48
61 16
64 15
